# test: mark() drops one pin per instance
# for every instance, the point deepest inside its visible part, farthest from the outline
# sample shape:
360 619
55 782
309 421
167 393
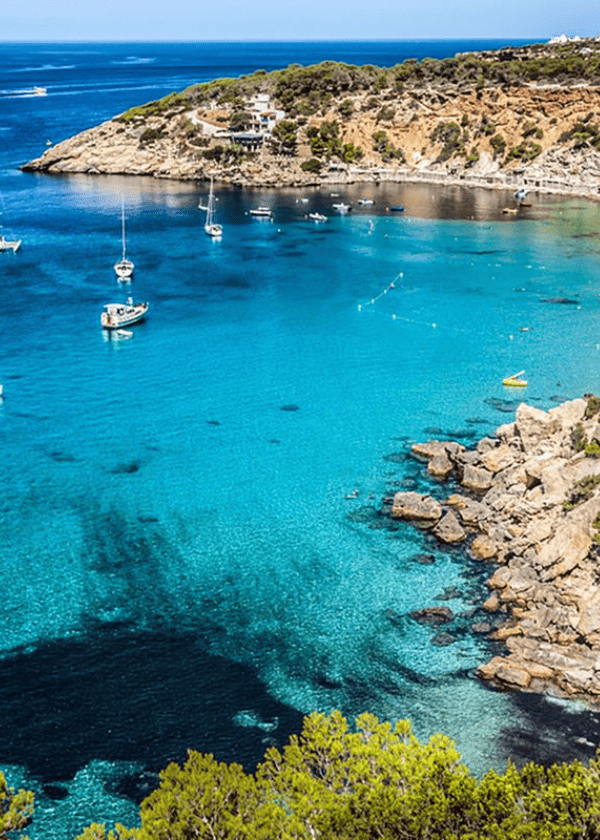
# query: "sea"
193 554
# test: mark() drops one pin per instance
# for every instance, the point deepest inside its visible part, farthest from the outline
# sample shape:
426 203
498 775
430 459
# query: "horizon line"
531 39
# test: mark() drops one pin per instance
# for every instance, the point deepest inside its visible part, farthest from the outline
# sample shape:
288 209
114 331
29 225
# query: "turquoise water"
192 551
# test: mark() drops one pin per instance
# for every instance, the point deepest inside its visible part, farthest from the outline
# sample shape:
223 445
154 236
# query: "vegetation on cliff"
484 112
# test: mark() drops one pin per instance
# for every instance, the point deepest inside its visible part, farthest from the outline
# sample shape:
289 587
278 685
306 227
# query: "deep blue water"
181 566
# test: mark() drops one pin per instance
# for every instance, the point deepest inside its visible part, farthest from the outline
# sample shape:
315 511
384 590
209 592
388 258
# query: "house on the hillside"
262 117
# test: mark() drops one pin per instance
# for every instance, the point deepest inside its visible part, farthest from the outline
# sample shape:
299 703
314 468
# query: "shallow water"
182 566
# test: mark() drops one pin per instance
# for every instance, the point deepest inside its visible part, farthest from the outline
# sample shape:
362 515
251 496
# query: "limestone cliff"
526 116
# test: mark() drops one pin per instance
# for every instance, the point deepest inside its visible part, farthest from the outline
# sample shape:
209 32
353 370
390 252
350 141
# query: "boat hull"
124 269
10 245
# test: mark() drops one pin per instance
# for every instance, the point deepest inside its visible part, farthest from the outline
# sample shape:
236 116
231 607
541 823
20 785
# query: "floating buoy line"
374 300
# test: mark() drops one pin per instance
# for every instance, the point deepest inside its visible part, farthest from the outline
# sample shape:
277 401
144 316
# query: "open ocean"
181 565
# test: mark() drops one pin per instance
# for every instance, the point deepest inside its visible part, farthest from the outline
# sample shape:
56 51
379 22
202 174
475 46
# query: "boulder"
502 670
432 615
482 548
535 427
476 478
470 511
413 506
428 449
499 458
500 579
440 466
570 544
449 530
569 413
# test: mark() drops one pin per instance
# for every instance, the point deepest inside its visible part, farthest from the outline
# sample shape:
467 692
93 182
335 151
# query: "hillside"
528 116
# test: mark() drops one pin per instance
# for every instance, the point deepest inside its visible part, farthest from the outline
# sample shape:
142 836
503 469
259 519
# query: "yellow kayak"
515 380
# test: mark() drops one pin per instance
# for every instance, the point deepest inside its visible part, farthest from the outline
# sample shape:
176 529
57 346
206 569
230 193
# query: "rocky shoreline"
521 118
530 504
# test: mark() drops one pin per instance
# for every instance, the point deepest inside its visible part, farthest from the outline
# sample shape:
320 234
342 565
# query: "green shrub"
312 165
150 135
346 108
593 406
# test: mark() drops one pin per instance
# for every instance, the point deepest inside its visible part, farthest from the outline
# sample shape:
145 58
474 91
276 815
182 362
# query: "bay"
192 554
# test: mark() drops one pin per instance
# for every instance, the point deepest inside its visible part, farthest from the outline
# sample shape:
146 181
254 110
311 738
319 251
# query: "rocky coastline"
525 118
528 503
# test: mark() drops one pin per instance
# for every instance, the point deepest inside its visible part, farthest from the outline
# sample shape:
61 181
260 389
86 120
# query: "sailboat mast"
123 225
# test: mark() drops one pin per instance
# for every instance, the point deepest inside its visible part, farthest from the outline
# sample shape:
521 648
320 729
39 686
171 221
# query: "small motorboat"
317 217
261 212
365 201
342 208
397 208
118 315
515 380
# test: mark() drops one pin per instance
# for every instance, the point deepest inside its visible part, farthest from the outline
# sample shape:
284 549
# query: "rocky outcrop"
531 505
496 130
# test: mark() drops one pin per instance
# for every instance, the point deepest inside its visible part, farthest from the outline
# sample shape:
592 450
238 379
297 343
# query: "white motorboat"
365 201
9 244
342 208
211 228
261 211
118 315
317 217
124 267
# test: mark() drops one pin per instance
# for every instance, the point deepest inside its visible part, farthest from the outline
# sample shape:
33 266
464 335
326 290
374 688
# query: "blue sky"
140 20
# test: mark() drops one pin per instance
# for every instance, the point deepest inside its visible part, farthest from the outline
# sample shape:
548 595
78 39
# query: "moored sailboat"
211 228
124 267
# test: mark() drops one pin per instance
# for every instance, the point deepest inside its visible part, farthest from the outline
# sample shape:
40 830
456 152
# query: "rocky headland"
525 116
528 501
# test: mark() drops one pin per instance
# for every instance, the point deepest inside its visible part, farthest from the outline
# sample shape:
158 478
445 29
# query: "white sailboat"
211 228
124 267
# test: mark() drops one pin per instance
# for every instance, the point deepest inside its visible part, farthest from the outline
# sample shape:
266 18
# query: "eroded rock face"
532 505
171 142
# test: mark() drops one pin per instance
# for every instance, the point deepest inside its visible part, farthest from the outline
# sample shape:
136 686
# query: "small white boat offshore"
261 211
118 315
34 91
9 244
365 201
317 217
124 267
342 208
211 228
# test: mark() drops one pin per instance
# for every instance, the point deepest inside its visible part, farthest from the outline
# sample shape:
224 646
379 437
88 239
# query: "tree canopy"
16 808
369 781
